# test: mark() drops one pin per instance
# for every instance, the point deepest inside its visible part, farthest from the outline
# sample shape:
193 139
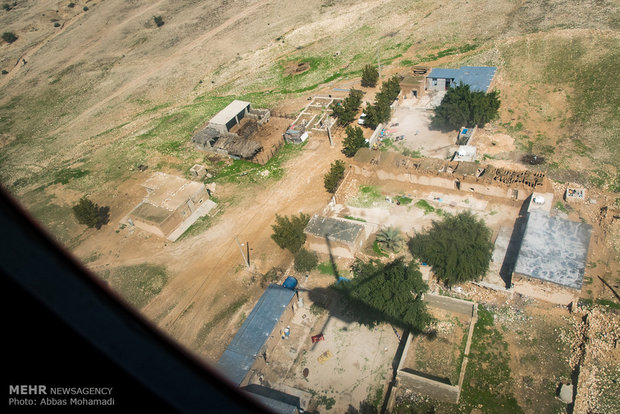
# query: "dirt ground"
413 117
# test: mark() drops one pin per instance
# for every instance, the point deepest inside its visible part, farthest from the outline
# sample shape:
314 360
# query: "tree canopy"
333 176
353 141
461 107
346 111
88 213
380 111
389 292
370 76
288 233
458 248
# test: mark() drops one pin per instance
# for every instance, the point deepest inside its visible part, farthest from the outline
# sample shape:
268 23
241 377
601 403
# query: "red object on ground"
317 338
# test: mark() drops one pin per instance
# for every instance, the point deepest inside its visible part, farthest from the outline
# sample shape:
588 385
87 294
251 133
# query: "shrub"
334 176
56 24
370 76
5 72
159 22
288 233
85 8
71 5
353 141
9 37
305 260
88 213
390 239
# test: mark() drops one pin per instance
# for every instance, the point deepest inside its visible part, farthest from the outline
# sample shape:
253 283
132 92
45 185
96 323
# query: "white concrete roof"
228 113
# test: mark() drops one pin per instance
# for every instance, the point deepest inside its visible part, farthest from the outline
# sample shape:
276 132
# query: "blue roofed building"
255 339
478 78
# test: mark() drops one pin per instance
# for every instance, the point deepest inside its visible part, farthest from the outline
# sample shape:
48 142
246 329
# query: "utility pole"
242 254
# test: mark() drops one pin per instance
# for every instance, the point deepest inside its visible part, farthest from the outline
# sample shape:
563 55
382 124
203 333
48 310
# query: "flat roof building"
333 235
554 250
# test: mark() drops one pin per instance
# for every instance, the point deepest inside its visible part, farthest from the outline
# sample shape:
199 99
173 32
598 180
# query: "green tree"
88 213
305 260
389 292
390 239
353 141
334 176
461 107
9 37
370 76
288 233
381 110
458 248
346 111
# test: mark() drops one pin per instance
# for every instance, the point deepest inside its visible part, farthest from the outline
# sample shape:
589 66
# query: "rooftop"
169 191
228 113
477 77
247 343
335 229
554 250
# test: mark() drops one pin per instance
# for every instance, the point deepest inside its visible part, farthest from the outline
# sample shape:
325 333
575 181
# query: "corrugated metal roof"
554 250
477 77
247 343
228 113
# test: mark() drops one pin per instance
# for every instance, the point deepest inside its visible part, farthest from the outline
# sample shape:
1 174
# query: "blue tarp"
290 283
247 343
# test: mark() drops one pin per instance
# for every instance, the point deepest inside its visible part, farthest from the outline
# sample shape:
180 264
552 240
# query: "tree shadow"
104 217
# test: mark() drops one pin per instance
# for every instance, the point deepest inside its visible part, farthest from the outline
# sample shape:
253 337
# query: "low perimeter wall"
423 385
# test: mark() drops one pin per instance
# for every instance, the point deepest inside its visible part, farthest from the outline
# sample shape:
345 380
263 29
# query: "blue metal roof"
247 343
477 77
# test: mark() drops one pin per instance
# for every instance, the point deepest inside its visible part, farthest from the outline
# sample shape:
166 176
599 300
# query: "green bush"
334 176
347 110
305 260
159 22
381 111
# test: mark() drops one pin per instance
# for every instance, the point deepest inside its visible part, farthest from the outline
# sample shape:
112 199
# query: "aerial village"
295 349
293 193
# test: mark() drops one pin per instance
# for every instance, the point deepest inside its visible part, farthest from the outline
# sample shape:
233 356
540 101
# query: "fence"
266 154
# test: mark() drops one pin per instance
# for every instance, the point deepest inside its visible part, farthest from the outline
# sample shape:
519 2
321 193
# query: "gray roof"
334 229
477 77
554 250
247 343
228 113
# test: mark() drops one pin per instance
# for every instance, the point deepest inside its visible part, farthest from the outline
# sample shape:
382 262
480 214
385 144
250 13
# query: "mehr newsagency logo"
43 395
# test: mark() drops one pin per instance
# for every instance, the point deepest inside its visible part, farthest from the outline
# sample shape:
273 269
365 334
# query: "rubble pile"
598 387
